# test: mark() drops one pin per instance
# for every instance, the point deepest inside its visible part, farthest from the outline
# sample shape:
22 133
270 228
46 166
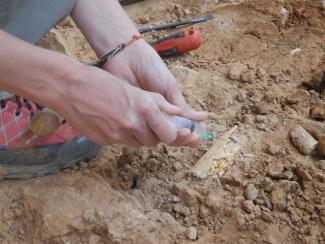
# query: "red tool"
177 43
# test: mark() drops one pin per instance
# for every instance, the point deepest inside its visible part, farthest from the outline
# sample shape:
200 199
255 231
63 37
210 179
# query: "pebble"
152 164
275 170
247 76
66 23
321 146
204 212
318 111
280 193
267 217
213 201
93 239
186 193
240 219
320 164
284 15
305 143
251 192
145 19
267 184
317 80
177 166
248 206
303 174
235 70
261 109
241 97
184 75
275 149
191 233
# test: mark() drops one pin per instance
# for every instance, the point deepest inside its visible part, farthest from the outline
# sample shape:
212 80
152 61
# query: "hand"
141 66
110 111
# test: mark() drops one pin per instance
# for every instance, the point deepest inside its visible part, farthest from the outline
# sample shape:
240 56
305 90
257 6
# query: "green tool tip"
206 136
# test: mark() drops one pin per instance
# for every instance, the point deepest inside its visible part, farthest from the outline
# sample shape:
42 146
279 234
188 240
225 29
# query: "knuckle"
148 107
129 125
116 137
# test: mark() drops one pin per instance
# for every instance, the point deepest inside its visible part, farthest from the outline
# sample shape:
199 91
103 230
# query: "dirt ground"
259 68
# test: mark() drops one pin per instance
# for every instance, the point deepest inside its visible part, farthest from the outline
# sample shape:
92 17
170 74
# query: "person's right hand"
108 110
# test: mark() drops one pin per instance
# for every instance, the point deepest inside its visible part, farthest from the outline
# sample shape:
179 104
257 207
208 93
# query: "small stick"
216 154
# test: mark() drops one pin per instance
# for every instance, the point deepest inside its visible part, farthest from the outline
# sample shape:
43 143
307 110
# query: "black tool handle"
174 25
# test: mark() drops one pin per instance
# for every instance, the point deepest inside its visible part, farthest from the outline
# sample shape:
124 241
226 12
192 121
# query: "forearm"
104 23
33 72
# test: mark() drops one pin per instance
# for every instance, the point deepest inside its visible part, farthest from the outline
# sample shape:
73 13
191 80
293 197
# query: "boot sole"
26 163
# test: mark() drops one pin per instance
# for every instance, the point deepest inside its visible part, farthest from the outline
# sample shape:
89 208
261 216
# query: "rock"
247 76
284 16
248 206
303 140
145 19
186 193
177 166
235 70
275 149
213 201
187 11
152 164
267 216
184 75
297 101
275 170
280 193
251 192
320 164
175 199
204 212
267 184
317 81
94 239
238 201
232 177
178 207
321 146
191 220
261 108
179 11
191 233
310 240
185 211
240 219
241 97
303 174
66 23
318 111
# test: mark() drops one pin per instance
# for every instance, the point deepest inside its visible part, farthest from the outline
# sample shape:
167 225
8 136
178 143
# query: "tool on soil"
218 158
178 43
174 25
127 2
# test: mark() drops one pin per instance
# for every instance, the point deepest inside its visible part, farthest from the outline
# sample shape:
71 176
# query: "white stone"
305 143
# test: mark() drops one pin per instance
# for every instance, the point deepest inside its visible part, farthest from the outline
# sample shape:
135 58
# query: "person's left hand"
141 66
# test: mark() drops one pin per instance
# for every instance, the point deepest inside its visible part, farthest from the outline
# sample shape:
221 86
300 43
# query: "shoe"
25 155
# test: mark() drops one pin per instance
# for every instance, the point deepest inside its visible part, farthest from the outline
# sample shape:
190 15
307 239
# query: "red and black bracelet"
103 59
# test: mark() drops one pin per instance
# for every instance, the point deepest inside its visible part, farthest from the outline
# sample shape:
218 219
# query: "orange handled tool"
178 43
